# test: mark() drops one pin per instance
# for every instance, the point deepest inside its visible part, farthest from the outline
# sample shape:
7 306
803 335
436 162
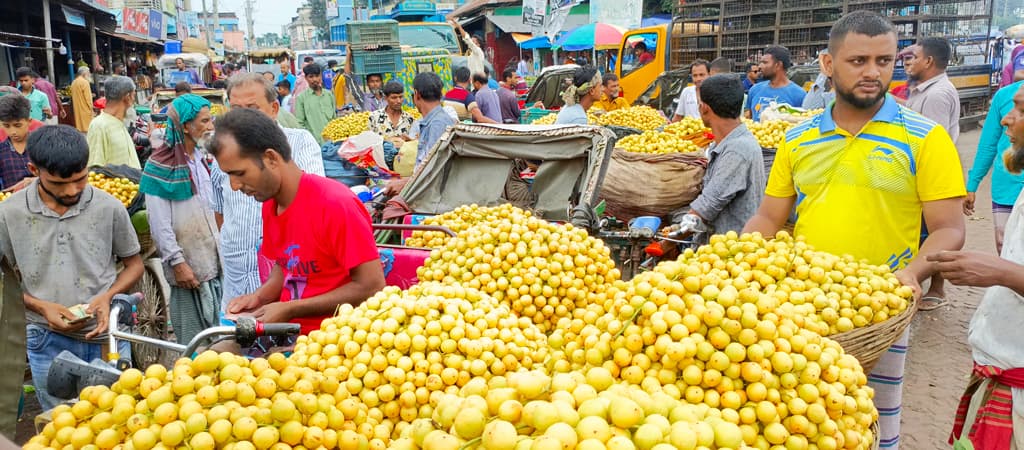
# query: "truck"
667 72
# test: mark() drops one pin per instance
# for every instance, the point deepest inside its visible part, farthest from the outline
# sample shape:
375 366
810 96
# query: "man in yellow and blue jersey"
861 176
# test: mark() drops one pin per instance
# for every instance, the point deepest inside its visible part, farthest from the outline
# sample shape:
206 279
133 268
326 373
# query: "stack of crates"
375 46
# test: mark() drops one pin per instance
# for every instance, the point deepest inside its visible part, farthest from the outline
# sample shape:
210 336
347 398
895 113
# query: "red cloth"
901 91
317 240
33 125
993 424
646 57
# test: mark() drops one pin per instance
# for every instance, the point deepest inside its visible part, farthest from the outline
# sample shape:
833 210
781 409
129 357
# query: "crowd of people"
245 223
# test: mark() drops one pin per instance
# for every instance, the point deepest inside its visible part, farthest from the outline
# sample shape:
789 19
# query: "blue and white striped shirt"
242 230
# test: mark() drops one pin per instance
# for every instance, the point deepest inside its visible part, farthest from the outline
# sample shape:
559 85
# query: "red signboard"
135 21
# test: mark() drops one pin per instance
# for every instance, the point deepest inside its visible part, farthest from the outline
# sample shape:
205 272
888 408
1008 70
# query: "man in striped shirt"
238 215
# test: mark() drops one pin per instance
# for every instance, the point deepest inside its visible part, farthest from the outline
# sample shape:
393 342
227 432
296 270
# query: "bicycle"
68 374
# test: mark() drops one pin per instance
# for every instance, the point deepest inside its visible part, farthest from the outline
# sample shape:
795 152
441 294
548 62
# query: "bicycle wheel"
150 320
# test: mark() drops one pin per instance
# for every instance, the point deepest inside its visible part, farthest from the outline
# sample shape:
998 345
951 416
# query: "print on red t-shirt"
317 240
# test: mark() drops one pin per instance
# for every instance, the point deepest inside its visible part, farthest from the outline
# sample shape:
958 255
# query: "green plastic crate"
365 62
367 34
530 114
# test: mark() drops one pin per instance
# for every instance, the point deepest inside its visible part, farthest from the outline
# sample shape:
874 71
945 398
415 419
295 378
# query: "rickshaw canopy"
478 164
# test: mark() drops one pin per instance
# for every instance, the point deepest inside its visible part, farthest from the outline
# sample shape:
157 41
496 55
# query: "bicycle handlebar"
277 329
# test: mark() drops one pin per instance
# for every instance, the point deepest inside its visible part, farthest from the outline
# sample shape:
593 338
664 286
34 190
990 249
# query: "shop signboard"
332 8
156 24
104 4
170 7
533 12
188 24
73 16
135 22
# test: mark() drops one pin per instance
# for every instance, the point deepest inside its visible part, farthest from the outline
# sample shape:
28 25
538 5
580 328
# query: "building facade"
301 30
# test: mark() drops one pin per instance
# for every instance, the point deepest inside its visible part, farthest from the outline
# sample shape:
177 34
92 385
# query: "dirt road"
939 360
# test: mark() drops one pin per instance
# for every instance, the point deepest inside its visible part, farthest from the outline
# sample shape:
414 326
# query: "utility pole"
49 44
207 30
216 19
249 23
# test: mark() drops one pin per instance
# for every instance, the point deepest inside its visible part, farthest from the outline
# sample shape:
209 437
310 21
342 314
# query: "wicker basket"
868 343
878 436
146 244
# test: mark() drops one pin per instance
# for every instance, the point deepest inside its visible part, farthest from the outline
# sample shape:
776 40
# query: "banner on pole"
623 13
533 12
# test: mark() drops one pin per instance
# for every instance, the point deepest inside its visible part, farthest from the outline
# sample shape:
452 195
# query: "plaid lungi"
992 427
194 310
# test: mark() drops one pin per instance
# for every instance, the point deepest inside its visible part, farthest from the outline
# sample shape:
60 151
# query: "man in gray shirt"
486 98
933 95
65 237
734 182
426 88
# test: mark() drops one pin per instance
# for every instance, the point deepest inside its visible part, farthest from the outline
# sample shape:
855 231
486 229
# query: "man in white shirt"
238 214
687 105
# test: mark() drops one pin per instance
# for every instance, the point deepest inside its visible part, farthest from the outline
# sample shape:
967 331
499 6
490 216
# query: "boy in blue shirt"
777 86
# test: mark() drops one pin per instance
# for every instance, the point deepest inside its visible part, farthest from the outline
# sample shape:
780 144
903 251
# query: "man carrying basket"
862 174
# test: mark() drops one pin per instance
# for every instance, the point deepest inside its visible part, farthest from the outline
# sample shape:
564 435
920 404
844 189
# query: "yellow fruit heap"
415 113
349 125
657 142
594 409
686 127
719 349
642 118
348 385
458 220
769 134
780 384
545 120
824 293
542 270
551 118
217 109
121 188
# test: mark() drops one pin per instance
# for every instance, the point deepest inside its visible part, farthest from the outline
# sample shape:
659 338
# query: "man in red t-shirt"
315 229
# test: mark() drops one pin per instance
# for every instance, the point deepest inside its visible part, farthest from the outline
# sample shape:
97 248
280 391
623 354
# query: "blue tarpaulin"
535 43
655 20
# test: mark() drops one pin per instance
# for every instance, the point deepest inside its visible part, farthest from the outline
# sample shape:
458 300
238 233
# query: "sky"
269 15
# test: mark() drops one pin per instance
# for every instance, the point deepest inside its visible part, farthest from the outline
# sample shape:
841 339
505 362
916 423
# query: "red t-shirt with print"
317 240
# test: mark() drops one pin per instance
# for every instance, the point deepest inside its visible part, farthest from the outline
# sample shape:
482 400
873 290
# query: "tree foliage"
269 40
318 15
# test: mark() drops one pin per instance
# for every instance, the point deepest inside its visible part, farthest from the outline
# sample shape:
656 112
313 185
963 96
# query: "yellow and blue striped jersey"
862 194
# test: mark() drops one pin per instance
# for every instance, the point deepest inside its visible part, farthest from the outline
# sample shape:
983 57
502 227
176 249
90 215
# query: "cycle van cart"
484 164
130 320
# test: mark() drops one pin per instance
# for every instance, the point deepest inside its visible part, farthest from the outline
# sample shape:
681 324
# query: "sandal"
931 303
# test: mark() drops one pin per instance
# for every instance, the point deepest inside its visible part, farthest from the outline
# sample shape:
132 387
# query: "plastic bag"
783 111
405 161
340 169
366 151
